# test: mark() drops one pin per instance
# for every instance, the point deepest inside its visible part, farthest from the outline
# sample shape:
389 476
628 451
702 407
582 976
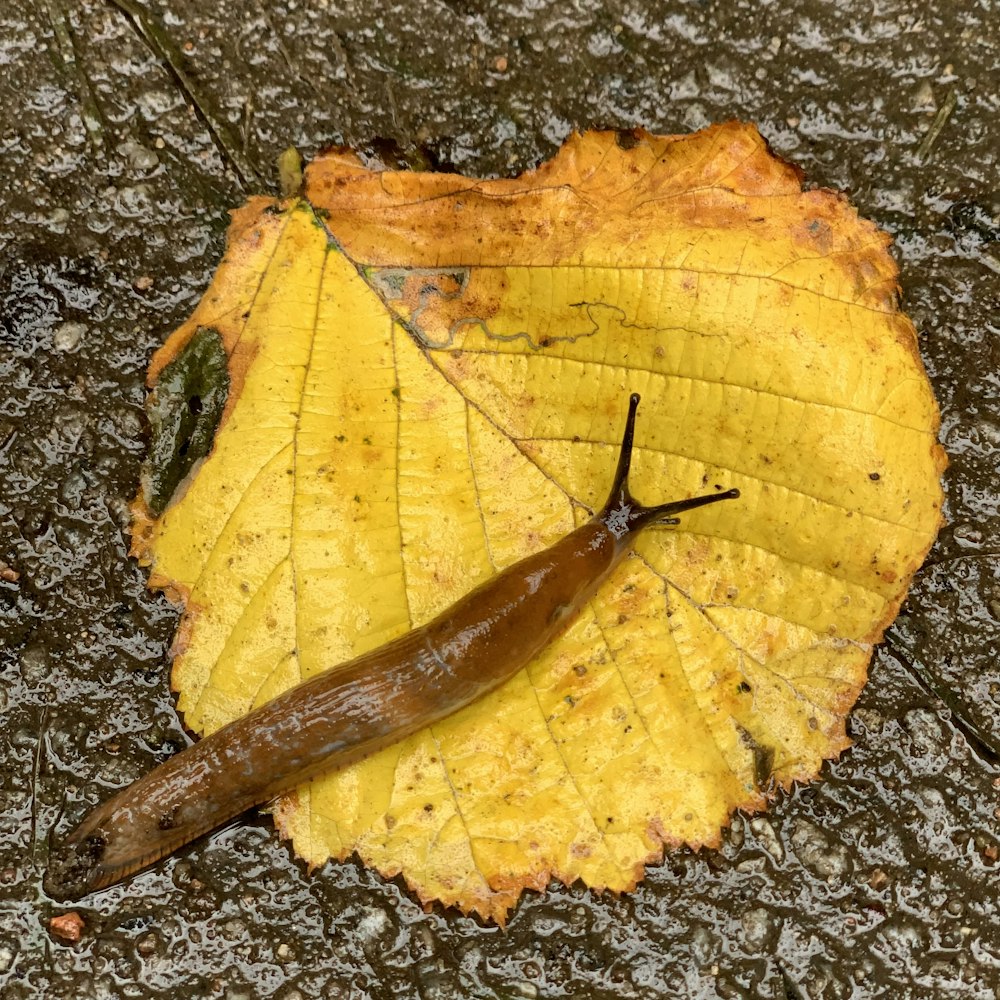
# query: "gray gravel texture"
127 129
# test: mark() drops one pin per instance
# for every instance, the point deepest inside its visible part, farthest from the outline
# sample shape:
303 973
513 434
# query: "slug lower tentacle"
357 708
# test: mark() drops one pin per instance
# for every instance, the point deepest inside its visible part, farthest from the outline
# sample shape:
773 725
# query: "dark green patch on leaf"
184 411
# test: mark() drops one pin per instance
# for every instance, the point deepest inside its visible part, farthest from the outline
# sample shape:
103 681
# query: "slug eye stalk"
623 514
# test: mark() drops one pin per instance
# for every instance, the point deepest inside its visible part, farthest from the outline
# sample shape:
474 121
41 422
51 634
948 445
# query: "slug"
359 707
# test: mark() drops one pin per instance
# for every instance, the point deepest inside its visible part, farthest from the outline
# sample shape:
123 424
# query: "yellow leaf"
429 375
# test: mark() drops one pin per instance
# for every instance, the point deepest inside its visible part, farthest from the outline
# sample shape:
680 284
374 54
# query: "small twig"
981 743
792 990
163 47
337 47
7 442
246 124
90 111
36 770
391 98
282 48
940 119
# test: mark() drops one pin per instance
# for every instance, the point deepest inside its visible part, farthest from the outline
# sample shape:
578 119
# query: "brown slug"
359 707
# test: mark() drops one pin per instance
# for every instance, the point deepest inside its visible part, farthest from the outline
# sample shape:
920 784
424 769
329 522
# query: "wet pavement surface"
127 130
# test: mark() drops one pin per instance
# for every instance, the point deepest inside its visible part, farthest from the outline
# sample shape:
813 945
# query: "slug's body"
355 709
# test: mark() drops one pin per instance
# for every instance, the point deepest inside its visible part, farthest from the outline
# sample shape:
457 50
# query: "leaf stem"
940 119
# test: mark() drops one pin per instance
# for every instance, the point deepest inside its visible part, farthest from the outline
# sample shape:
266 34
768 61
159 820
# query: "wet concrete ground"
127 130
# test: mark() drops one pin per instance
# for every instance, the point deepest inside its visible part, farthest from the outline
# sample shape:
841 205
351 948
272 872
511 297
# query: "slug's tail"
623 514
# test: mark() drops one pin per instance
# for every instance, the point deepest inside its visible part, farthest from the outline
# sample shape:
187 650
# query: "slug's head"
623 514
75 869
